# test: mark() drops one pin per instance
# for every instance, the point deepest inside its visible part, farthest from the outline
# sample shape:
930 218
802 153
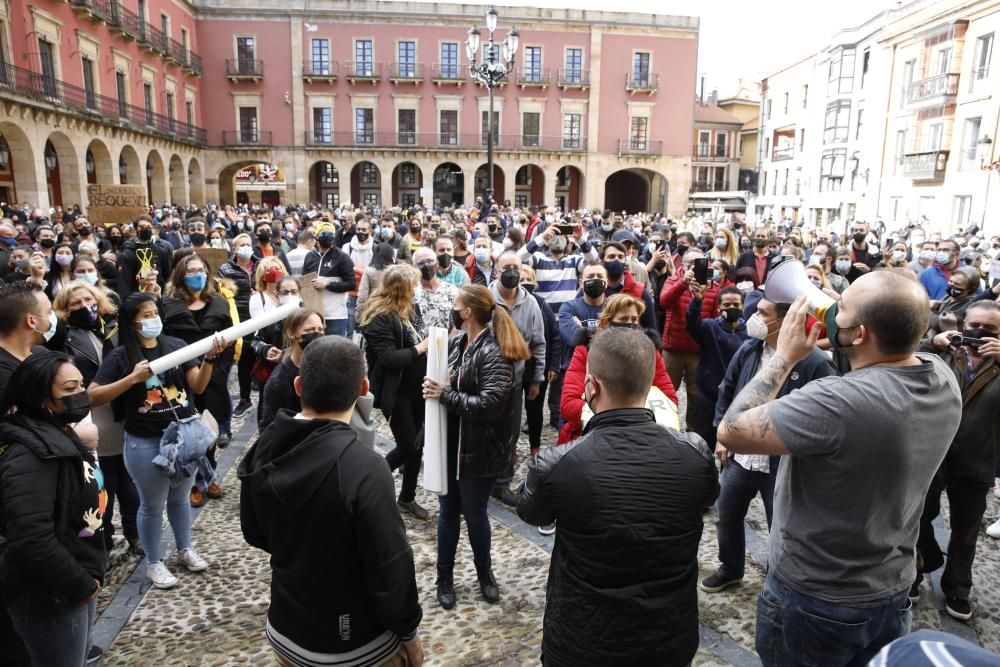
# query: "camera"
968 341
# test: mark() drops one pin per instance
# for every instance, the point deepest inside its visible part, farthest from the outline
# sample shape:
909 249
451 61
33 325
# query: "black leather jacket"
478 402
244 286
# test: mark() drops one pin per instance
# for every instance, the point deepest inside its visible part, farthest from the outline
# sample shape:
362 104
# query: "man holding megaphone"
850 489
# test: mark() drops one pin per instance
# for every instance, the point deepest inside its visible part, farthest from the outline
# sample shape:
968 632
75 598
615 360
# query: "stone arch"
227 180
130 168
19 178
569 187
406 184
324 183
97 163
196 183
65 178
366 183
178 182
529 186
156 179
636 189
499 182
448 185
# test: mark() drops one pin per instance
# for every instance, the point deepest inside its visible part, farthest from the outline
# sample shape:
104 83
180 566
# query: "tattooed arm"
747 427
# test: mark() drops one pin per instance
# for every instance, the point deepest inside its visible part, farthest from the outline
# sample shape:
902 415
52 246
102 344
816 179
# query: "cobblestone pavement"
217 617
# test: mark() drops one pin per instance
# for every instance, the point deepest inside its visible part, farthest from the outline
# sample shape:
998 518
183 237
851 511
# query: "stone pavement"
217 617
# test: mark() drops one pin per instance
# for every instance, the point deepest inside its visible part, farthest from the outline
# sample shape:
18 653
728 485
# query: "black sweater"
279 393
324 506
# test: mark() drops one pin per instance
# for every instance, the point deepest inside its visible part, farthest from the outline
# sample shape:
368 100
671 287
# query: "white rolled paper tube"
435 416
204 346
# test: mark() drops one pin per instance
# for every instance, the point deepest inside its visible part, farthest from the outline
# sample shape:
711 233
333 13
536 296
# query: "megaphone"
788 281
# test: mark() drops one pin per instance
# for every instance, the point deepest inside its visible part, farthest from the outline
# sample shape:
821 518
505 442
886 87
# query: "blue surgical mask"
196 282
717 275
51 331
843 266
89 278
151 328
482 255
942 257
10 241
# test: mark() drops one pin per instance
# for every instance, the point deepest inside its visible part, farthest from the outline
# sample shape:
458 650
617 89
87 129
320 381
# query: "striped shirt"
557 278
373 653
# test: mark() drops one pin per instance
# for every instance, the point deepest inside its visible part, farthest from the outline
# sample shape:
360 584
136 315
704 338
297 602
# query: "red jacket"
571 402
675 298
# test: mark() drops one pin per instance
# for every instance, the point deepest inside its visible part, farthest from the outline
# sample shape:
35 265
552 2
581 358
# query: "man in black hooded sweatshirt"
343 588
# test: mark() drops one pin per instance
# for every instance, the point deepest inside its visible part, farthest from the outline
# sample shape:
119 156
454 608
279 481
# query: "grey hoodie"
528 318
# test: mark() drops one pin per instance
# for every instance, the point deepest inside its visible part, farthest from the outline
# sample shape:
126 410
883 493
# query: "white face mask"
756 328
746 286
287 299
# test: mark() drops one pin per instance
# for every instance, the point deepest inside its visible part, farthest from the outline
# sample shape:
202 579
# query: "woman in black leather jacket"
240 271
481 366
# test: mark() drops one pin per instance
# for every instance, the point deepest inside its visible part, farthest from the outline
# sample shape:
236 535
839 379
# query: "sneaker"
190 559
993 530
135 546
547 529
241 407
197 497
717 583
505 495
996 487
958 608
915 591
94 654
214 491
160 575
223 440
415 510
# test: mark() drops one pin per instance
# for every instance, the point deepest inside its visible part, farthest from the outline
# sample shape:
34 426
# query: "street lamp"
490 72
985 146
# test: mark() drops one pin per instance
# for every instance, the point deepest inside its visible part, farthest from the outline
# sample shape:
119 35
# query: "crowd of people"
601 316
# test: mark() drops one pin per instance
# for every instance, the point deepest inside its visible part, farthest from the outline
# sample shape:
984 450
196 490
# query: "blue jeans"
798 629
337 328
739 486
155 491
352 307
56 633
468 498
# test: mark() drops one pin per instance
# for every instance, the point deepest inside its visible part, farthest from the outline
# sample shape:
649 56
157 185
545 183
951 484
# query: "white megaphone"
788 281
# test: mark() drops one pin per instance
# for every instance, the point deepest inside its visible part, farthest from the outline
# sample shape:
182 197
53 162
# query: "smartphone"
661 244
701 270
565 229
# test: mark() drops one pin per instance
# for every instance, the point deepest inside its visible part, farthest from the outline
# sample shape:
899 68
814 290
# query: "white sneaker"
160 575
547 529
993 530
190 559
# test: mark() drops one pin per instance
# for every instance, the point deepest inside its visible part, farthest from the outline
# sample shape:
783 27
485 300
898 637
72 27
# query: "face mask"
83 318
745 286
427 272
287 299
623 325
456 319
732 315
145 234
240 225
508 244
244 252
273 276
681 249
309 337
198 238
289 226
326 241
151 328
386 234
64 260
898 255
21 265
594 287
89 278
115 240
215 243
722 243
47 243
927 255
529 288
85 231
833 333
362 237
942 257
716 275
756 327
955 292
607 226
759 243
510 278
557 245
9 241
76 407
745 244
264 237
843 266
415 230
196 282
482 255
615 268
859 238
444 260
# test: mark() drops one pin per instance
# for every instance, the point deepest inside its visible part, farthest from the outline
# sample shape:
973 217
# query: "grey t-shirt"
847 502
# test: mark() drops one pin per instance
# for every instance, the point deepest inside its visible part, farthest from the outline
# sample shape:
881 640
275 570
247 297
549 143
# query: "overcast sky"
743 39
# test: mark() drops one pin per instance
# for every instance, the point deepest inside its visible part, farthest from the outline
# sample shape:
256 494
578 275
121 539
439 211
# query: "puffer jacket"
675 298
244 285
50 512
628 497
478 401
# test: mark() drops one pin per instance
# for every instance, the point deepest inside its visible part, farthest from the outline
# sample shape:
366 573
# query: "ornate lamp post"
985 146
490 72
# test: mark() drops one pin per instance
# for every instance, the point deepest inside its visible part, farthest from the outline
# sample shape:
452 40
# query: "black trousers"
533 410
119 485
243 369
702 418
405 423
12 650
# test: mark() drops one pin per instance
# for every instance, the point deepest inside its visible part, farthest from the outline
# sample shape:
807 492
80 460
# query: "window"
530 122
46 58
248 125
369 174
523 176
805 95
704 141
840 79
574 66
171 118
246 53
970 143
942 62
189 114
767 109
486 124
491 55
767 147
165 25
185 44
861 118
147 99
449 60
786 104
838 118
832 168
701 179
909 68
449 127
407 59
802 139
370 198
900 150
763 183
784 184
640 69
865 62
532 63
141 6
408 173
322 125
88 83
719 179
364 126
720 144
120 90
332 199
962 209
406 119
407 200
933 137
320 63
521 201
363 65
571 130
330 174
984 53
638 139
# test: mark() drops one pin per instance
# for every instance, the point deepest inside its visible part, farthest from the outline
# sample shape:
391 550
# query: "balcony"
644 83
783 153
248 137
441 141
574 78
449 74
363 71
709 152
154 40
925 166
640 147
319 70
403 73
934 90
98 108
244 69
125 21
534 78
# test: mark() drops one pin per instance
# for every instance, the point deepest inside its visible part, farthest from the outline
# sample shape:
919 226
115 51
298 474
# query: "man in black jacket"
335 276
141 255
628 497
267 246
347 593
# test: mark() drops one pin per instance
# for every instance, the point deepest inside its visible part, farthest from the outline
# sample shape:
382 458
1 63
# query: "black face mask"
115 240
594 287
759 243
732 315
615 268
47 243
362 237
85 231
326 242
456 319
859 238
145 234
21 265
76 407
264 237
681 249
659 266
427 272
529 288
309 337
623 325
444 260
955 292
198 238
510 278
83 318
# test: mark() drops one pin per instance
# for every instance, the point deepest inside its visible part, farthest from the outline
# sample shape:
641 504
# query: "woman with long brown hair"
477 397
397 364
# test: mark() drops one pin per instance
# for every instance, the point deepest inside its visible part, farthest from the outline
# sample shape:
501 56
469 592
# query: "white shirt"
758 462
260 304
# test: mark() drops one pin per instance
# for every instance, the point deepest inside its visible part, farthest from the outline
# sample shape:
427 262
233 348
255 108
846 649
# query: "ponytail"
509 338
